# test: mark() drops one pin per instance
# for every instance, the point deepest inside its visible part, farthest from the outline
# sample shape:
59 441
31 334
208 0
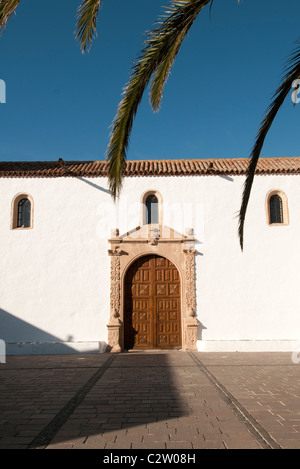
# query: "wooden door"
152 318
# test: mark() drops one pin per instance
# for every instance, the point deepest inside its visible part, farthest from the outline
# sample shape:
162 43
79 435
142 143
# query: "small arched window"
152 210
24 213
151 204
276 213
277 208
22 208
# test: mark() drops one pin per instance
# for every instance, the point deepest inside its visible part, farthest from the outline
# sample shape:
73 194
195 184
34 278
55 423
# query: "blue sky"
60 103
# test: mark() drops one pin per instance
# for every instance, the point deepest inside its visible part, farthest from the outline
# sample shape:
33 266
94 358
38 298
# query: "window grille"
24 213
276 212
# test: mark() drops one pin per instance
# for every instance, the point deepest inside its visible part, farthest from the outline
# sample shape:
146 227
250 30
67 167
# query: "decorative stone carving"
115 233
190 282
115 252
162 241
153 241
115 282
115 325
190 321
153 235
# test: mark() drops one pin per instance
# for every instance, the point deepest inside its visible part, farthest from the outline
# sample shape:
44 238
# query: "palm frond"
163 71
86 29
172 47
162 45
7 8
292 72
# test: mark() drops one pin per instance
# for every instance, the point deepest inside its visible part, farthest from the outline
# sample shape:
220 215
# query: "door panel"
152 316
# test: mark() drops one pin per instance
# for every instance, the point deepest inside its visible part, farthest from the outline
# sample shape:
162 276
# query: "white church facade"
161 268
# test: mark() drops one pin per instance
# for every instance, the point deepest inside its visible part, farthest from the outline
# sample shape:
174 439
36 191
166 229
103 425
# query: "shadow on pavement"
46 399
136 389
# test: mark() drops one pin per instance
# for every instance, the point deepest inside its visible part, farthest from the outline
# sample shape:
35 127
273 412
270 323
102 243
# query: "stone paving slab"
150 400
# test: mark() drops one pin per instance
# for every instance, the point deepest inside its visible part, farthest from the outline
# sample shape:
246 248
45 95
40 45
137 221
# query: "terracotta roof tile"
235 166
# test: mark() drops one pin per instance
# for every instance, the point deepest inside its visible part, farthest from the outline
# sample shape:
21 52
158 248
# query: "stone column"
115 326
189 319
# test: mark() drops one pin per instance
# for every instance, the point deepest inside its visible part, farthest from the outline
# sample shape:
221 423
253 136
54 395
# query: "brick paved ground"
150 400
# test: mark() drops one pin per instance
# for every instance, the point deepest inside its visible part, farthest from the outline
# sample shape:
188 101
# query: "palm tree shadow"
95 186
137 389
94 394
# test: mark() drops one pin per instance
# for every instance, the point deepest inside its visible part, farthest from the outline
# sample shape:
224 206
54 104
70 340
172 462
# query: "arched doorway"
152 306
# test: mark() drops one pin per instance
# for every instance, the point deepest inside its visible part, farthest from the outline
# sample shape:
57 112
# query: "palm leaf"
172 48
7 8
163 71
86 29
162 45
292 72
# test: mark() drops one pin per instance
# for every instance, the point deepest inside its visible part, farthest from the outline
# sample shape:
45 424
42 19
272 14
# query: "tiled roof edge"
188 167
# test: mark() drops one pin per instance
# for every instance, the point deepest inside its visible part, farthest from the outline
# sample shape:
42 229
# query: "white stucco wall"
55 278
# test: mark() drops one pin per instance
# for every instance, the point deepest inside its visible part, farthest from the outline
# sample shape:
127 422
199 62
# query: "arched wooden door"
152 318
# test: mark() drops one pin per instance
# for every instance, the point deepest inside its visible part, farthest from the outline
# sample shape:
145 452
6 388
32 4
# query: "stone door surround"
162 241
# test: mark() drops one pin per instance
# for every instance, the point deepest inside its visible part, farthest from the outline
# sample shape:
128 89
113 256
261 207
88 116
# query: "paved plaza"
150 400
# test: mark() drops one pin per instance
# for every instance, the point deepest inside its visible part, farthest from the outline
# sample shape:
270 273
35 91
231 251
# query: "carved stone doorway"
177 250
152 306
